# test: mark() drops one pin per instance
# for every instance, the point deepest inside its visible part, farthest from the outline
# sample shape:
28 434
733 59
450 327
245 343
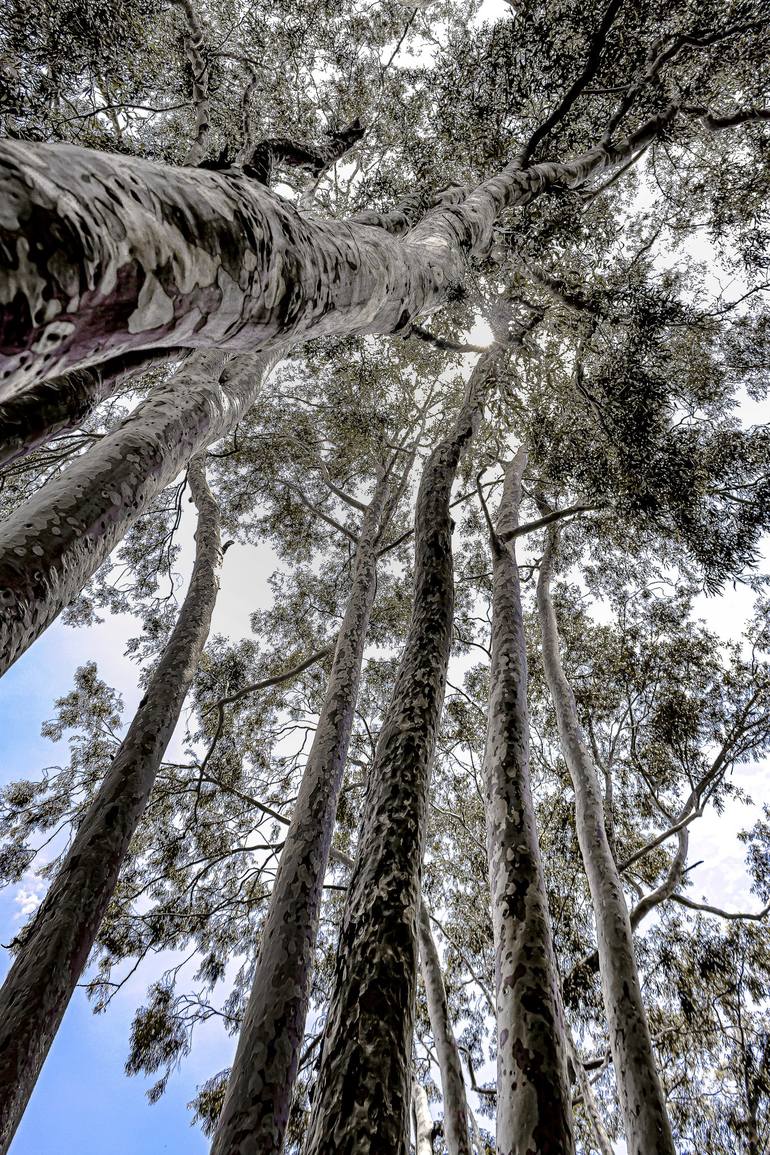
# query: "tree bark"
256 1107
111 254
362 1096
456 1134
52 544
57 406
534 1101
423 1121
55 947
642 1102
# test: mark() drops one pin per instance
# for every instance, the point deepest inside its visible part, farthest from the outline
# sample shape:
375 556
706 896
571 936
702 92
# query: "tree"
335 196
53 950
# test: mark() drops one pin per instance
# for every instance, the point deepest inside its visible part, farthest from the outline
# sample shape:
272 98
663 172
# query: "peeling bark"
54 949
456 1134
534 1101
362 1096
108 254
256 1107
642 1102
52 544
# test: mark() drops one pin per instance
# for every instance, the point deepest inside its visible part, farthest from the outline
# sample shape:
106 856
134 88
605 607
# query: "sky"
83 1095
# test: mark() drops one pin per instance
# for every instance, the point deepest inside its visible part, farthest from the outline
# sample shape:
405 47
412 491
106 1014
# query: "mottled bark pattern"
106 254
53 543
109 254
534 1111
456 1134
642 1103
362 1096
55 947
256 1108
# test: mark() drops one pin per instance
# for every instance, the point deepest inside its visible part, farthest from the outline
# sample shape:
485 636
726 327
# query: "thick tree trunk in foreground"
256 1107
643 1107
52 544
362 1096
456 1134
534 1101
55 947
111 254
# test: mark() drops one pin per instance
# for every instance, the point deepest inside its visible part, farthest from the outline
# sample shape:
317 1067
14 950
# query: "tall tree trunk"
534 1100
57 406
256 1107
642 1103
602 1139
423 1122
456 1134
52 544
55 947
112 254
362 1096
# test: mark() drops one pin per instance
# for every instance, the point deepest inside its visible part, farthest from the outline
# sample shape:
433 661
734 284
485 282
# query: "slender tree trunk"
362 1096
456 1134
112 254
423 1121
256 1107
52 544
534 1100
57 406
642 1102
603 1141
55 947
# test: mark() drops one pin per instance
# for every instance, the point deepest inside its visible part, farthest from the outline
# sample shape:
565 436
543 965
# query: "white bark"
423 1122
112 254
256 1107
534 1101
642 1102
362 1095
603 1141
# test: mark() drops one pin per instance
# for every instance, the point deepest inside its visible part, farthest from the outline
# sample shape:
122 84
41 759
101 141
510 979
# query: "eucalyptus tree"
561 153
53 951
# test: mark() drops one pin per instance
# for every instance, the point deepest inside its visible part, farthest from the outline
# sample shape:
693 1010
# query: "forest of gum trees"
434 337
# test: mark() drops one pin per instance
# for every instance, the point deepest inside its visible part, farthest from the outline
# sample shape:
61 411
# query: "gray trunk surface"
55 947
54 542
456 1134
534 1100
642 1102
57 406
362 1096
256 1107
111 254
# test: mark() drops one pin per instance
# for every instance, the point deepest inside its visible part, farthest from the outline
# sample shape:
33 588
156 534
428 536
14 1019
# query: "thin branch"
737 915
443 342
578 86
